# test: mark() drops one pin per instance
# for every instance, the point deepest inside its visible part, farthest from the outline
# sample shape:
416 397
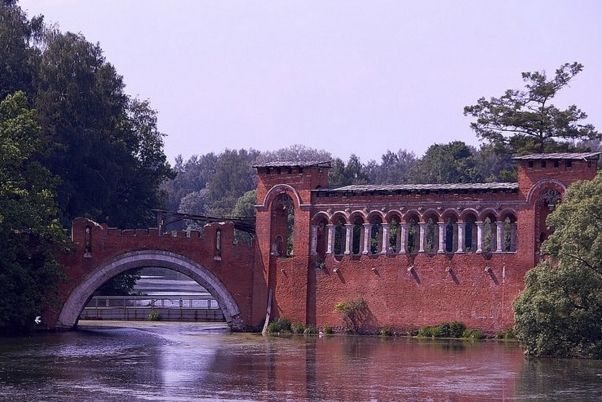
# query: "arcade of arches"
417 254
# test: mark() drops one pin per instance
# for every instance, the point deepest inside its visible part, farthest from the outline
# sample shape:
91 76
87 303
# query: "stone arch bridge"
213 259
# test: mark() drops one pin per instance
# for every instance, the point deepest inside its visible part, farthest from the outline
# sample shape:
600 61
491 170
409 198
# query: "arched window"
450 235
375 234
283 224
489 232
218 243
546 203
393 234
339 236
470 234
88 242
358 230
413 235
509 234
321 238
431 235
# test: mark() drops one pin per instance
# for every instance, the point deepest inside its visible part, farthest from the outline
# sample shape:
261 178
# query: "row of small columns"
404 235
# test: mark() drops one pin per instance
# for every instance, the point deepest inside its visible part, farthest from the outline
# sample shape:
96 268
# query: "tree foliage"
447 163
29 232
294 153
560 311
523 121
103 145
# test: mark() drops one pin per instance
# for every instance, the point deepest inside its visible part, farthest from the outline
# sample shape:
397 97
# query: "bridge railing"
192 307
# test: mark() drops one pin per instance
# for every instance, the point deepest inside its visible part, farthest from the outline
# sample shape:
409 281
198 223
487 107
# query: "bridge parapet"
213 258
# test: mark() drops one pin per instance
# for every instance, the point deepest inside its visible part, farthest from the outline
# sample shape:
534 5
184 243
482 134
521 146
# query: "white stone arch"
154 258
320 215
360 213
488 212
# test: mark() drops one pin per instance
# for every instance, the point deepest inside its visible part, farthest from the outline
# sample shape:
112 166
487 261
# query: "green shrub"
327 330
154 315
354 313
506 335
385 331
297 328
426 332
473 334
279 326
454 329
310 330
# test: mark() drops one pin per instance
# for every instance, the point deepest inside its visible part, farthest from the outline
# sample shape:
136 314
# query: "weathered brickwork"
96 246
418 255
406 288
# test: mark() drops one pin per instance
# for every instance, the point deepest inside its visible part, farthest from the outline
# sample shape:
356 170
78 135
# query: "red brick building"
417 254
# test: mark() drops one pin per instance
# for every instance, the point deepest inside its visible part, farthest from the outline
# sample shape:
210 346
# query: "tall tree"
29 231
560 311
394 168
523 121
447 163
103 145
18 58
190 176
233 177
294 153
353 172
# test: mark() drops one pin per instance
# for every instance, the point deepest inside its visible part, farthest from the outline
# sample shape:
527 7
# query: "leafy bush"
426 332
280 325
354 313
327 330
507 334
454 329
297 328
154 315
473 334
559 313
385 331
310 330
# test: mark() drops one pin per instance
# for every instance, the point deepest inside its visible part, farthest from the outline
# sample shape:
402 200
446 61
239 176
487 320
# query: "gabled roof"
561 155
324 164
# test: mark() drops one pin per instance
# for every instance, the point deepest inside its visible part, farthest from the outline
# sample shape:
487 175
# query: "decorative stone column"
422 227
314 240
385 238
499 236
460 237
403 228
366 238
441 237
479 237
330 244
348 237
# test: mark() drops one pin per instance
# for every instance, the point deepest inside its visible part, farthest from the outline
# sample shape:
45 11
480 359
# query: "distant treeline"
223 184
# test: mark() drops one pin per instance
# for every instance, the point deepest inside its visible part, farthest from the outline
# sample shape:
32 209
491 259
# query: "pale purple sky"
345 76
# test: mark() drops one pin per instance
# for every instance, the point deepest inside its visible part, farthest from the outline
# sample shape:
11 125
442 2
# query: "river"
152 361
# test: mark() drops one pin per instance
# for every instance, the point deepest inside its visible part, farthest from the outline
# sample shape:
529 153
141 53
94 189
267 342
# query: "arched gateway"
146 258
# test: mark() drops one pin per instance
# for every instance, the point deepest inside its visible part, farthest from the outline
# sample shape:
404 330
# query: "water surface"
192 361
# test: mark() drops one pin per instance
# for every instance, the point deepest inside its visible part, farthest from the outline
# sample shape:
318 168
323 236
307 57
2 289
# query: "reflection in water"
182 362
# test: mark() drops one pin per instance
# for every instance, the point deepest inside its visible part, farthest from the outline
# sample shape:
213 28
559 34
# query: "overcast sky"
345 76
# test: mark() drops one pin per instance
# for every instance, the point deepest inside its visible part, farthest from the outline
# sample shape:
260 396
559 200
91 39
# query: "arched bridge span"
212 259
